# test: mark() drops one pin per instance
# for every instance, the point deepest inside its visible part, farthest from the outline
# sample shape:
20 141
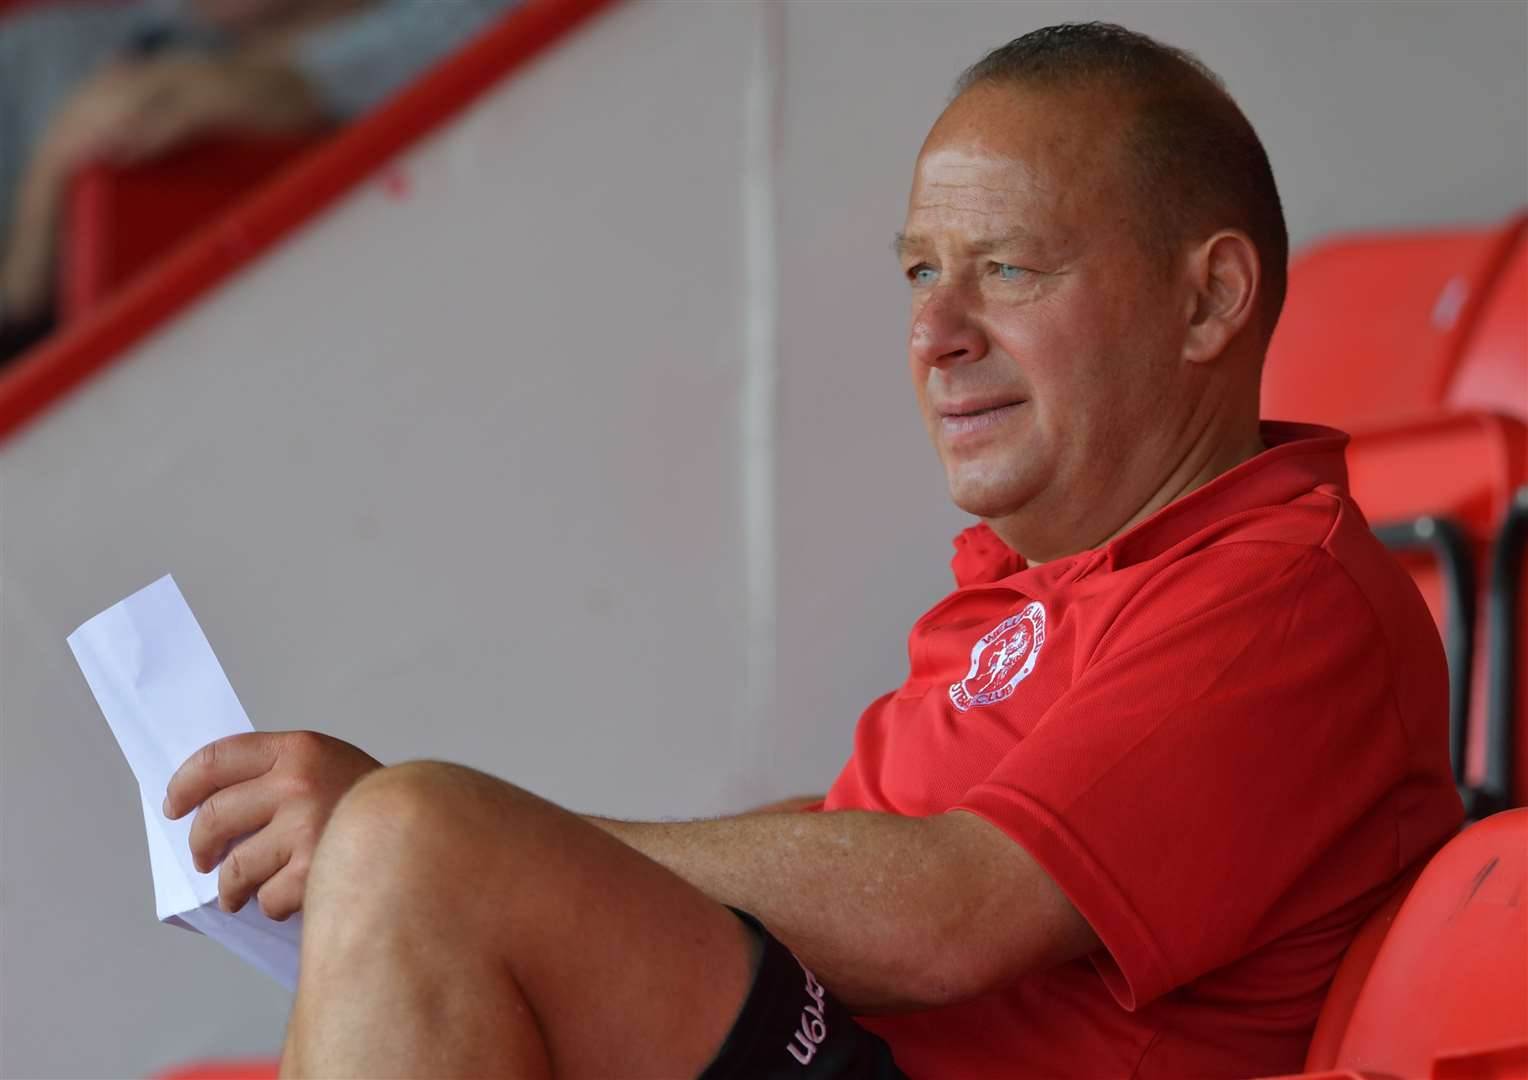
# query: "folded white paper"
164 696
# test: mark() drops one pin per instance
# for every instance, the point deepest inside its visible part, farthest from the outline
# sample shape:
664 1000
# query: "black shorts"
790 1027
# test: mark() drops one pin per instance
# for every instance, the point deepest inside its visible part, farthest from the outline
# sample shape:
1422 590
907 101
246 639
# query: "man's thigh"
629 970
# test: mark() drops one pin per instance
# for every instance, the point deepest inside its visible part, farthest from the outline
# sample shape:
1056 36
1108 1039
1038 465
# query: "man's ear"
1225 276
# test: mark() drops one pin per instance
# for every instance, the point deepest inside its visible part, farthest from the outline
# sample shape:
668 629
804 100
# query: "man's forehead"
1009 136
993 201
972 177
1002 162
963 163
1009 116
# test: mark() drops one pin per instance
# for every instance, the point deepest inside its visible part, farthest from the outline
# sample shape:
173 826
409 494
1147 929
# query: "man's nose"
944 333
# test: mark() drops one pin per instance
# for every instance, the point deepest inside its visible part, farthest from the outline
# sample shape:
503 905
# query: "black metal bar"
1504 622
1448 543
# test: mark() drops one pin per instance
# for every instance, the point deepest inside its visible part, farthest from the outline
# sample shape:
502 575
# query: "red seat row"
1417 344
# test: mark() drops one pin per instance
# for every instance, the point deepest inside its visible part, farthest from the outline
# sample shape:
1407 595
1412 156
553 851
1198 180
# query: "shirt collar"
1298 457
980 557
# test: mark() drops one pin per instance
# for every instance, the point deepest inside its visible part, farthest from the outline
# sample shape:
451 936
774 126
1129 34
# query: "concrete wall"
590 461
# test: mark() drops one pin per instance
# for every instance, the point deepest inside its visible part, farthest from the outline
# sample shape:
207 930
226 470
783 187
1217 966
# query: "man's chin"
988 501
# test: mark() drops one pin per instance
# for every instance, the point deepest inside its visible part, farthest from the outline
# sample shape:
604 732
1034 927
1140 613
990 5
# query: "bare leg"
455 925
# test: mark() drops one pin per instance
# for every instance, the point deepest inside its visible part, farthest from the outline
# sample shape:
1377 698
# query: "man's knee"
410 827
408 794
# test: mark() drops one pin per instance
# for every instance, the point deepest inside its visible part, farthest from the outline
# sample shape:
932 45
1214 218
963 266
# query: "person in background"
129 80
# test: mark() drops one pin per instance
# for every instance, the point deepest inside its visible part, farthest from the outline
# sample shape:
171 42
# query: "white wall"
463 474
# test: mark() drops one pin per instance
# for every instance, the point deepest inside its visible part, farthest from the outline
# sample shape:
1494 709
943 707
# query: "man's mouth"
970 418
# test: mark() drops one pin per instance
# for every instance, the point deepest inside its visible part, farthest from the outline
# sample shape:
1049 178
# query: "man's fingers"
281 897
219 764
248 867
225 816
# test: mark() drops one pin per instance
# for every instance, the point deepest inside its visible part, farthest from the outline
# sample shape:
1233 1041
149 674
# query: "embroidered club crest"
1001 659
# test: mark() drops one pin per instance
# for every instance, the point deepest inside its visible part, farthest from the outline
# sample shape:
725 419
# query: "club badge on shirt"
1001 659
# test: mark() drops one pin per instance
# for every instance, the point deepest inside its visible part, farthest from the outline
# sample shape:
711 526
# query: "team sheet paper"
165 696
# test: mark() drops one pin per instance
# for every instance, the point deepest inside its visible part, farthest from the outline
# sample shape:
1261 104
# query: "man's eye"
1011 273
922 275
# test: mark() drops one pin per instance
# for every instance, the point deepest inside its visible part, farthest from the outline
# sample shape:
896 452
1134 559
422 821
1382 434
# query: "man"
1179 729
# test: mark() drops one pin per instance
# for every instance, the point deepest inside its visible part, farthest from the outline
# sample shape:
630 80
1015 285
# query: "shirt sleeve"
1221 771
358 61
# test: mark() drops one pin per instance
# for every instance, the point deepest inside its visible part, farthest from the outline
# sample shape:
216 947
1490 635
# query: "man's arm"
892 913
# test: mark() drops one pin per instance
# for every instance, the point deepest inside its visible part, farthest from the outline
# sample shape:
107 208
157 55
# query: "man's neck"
1203 460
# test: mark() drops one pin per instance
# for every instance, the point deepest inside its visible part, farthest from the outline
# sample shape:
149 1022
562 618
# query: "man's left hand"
268 795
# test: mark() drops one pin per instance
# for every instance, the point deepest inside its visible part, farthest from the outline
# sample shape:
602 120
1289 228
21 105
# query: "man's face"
1044 340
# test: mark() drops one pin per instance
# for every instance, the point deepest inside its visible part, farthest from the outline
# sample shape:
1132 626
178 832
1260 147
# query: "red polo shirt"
1223 734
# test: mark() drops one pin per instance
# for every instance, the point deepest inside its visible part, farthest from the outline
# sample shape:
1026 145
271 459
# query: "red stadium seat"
1417 344
120 220
1450 979
1348 983
1492 373
1461 465
1373 327
1437 490
1493 376
1441 977
1506 767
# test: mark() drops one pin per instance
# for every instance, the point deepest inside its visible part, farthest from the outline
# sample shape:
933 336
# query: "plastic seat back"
1373 326
1492 374
1447 993
1436 490
1465 466
1348 983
